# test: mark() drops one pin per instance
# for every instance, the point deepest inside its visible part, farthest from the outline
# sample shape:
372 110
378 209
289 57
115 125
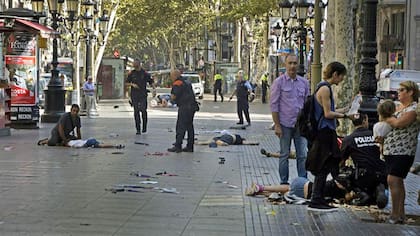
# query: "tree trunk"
340 41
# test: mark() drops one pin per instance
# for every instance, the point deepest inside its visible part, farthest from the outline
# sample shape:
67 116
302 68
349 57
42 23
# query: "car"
196 83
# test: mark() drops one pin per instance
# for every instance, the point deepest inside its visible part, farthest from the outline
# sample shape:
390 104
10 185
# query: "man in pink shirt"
288 93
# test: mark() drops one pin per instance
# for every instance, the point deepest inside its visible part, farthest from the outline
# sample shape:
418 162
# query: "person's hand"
353 116
278 131
379 139
134 85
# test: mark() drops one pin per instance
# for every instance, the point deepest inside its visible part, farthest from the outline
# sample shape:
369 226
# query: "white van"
196 83
389 82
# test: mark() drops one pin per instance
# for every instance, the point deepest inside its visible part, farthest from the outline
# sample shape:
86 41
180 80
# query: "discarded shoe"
120 146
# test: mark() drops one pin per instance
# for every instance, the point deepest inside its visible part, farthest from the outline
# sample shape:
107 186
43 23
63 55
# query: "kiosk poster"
20 66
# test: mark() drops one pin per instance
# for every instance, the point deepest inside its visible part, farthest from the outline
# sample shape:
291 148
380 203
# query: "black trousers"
330 166
264 94
140 106
218 89
243 107
184 124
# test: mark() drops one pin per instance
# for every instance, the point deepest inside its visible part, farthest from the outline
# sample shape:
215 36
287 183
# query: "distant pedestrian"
138 79
264 87
324 155
64 130
89 91
399 147
288 93
183 95
217 87
243 89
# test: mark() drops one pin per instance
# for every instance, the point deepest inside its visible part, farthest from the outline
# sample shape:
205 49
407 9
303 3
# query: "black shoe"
381 198
186 149
321 207
138 132
174 149
249 124
144 131
240 123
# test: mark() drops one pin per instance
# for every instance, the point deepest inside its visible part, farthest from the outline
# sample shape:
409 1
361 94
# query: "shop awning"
43 30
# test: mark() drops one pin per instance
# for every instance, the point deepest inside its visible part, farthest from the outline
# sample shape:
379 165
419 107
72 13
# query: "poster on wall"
20 66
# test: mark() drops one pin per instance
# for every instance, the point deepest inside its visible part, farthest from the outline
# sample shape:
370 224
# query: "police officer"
183 95
218 80
243 88
264 87
138 79
370 176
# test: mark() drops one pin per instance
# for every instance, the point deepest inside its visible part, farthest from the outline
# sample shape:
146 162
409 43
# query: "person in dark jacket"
243 88
138 79
183 95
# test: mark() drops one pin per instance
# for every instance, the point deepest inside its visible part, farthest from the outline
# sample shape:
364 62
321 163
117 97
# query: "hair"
359 119
75 106
290 55
386 109
334 67
411 86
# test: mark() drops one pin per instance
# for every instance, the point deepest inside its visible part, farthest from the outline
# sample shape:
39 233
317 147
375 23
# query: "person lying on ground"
85 143
302 188
227 139
340 188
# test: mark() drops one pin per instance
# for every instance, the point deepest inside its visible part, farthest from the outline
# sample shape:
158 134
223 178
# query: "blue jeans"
301 147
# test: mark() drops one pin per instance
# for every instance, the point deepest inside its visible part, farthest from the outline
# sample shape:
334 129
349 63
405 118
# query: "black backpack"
306 122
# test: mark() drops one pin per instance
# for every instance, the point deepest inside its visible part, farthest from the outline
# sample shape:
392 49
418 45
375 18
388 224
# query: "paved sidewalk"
61 191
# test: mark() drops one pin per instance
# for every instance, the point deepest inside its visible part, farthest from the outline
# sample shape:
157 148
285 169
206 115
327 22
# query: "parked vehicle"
196 83
389 82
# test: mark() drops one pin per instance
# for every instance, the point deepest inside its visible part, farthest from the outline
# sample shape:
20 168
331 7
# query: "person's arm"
275 106
233 94
405 120
79 134
323 96
61 133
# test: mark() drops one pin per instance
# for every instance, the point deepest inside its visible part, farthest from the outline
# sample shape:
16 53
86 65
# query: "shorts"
297 186
92 143
398 165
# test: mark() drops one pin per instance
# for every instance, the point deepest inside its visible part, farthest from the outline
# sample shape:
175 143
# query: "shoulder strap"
314 99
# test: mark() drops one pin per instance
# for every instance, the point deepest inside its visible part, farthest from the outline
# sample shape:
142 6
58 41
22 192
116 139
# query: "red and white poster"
20 68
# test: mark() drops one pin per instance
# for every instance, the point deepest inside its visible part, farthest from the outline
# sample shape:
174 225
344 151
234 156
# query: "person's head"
334 72
175 74
291 65
89 79
240 75
386 109
74 111
408 92
360 120
137 64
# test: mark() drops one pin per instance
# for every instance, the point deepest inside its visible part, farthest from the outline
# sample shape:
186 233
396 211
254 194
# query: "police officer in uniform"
183 95
138 79
218 80
370 175
243 88
264 87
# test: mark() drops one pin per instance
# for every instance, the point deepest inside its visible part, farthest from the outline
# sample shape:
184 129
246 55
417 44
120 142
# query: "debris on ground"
156 154
141 143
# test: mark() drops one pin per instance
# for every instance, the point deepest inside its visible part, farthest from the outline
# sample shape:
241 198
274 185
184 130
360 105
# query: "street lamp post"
277 32
316 67
302 13
368 62
54 96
